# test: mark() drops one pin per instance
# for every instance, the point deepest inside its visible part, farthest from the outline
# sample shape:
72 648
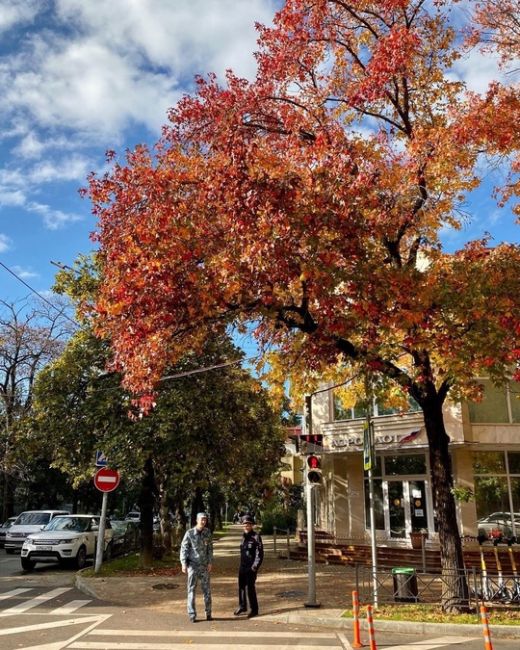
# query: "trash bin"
405 585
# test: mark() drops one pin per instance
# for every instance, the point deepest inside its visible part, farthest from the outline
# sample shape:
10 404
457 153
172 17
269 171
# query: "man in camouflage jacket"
196 559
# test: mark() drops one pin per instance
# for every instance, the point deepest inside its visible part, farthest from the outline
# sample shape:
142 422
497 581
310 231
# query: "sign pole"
101 534
106 480
368 465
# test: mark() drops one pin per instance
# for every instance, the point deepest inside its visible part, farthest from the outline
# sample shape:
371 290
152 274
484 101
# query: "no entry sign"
106 479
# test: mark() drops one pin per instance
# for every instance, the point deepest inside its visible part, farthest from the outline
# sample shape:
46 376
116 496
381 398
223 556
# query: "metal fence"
406 585
281 536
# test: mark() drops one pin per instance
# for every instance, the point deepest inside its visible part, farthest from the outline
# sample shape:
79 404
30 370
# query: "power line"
39 294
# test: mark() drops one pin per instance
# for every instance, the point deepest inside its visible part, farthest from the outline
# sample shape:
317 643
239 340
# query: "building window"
497 492
359 411
412 464
499 405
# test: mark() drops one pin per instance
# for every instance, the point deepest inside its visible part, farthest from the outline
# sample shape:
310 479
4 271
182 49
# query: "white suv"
67 539
30 521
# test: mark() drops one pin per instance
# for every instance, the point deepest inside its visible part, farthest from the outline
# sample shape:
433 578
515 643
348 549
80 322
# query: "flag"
411 436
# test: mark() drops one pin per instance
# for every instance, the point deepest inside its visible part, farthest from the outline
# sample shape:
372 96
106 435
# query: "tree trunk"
166 524
197 505
7 497
454 596
146 503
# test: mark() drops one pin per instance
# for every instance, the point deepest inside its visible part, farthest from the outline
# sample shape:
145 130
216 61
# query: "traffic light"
314 468
315 439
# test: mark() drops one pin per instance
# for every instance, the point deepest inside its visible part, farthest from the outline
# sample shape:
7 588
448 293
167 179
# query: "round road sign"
106 479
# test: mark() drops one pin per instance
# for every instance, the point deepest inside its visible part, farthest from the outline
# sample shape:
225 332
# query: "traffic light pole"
311 546
311 542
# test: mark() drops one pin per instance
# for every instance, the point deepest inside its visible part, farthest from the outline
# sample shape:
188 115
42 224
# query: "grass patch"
130 566
434 614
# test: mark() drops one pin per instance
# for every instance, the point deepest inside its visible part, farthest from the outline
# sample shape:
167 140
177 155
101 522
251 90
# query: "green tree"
209 433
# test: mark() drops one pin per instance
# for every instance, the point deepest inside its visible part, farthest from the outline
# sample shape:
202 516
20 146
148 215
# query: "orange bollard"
371 633
485 628
355 612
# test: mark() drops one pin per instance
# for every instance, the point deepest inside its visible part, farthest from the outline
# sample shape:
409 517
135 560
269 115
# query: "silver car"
499 526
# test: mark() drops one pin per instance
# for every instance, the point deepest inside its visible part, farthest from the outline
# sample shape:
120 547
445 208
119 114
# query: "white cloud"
25 274
15 12
9 197
30 146
478 71
70 168
103 66
5 243
52 218
200 35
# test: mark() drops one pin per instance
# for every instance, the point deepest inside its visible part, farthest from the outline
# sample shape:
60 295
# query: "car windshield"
8 523
33 519
77 524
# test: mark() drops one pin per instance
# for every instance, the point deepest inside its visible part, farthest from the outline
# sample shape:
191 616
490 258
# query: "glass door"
396 509
417 503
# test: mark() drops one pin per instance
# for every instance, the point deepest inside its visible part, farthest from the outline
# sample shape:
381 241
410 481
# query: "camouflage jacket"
197 547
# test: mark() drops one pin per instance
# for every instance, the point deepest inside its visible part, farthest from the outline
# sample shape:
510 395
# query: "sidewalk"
282 591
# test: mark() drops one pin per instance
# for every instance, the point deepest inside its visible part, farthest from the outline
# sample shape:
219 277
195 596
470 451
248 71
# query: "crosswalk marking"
11 594
115 639
53 624
34 602
430 644
71 607
125 645
212 633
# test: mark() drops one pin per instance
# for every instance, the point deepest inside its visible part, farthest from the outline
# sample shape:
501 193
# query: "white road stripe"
73 606
212 633
430 644
344 641
125 645
34 602
60 645
14 592
47 626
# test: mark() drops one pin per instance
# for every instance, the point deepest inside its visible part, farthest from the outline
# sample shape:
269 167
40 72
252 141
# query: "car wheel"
27 565
9 551
81 558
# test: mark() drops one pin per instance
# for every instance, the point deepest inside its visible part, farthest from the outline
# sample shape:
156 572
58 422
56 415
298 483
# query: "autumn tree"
308 205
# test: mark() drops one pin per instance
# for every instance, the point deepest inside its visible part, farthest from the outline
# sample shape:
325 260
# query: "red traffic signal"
314 469
312 439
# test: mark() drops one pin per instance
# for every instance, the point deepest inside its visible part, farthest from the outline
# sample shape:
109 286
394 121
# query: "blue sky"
79 77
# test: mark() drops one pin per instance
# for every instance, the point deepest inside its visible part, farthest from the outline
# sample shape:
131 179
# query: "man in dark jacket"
251 557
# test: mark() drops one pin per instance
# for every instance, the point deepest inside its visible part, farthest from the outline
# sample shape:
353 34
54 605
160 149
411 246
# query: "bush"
282 520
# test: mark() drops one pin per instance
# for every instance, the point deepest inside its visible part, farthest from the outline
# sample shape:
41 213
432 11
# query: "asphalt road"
43 611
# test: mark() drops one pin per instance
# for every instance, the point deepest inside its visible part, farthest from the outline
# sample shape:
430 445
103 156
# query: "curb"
82 585
403 627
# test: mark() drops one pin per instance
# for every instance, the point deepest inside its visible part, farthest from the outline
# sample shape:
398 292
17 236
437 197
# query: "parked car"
498 526
69 539
3 530
126 537
30 521
134 515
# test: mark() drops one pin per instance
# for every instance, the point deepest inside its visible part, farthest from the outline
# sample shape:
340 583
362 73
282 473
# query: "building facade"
485 449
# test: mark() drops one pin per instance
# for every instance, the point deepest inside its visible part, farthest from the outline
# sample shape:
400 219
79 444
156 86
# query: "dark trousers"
246 581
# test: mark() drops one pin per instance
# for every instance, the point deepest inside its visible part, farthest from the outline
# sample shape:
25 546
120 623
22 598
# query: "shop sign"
356 441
